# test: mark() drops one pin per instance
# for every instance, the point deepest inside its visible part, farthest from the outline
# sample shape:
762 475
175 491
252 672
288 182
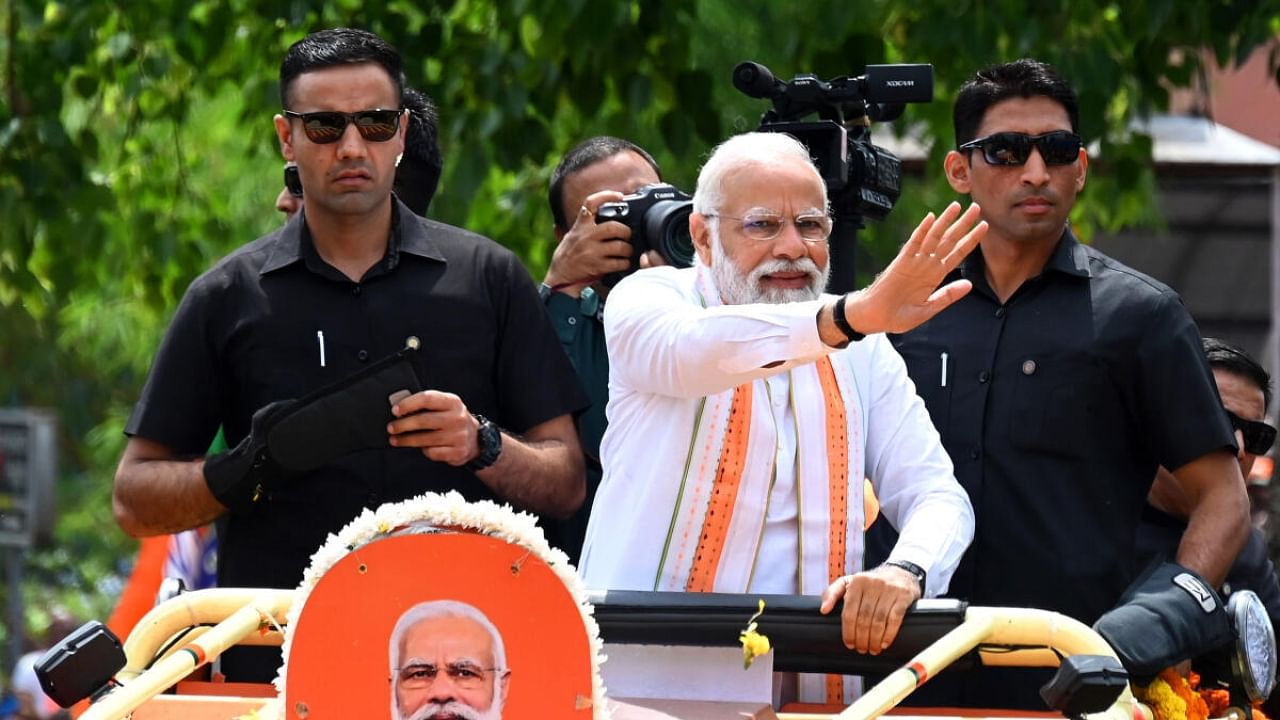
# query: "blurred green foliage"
136 148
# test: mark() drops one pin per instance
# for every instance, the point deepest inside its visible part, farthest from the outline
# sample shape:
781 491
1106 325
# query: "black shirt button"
362 356
1029 367
984 376
373 501
355 290
973 454
1000 312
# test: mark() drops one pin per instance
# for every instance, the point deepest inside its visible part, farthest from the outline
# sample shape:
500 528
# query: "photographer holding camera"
590 253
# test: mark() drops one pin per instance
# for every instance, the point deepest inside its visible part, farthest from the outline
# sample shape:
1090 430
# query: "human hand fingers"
429 419
591 205
442 428
883 596
955 230
652 258
943 297
833 594
588 252
850 616
965 245
938 245
598 259
426 400
891 609
934 236
863 594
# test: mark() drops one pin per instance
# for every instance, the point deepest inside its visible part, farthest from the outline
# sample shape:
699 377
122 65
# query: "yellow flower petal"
754 644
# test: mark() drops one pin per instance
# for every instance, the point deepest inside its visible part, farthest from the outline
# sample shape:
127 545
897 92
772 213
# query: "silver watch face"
1255 655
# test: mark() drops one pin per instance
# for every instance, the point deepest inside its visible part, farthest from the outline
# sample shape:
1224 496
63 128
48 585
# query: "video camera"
658 216
863 180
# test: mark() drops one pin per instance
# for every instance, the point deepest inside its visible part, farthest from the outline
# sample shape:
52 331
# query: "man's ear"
956 167
1084 170
504 686
284 133
700 231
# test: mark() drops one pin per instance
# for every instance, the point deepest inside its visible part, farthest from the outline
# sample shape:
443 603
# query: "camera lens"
666 227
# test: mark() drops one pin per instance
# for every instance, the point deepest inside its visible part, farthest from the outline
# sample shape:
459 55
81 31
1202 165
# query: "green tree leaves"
136 144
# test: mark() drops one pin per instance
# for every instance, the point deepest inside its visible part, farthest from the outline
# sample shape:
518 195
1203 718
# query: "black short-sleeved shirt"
1056 407
248 332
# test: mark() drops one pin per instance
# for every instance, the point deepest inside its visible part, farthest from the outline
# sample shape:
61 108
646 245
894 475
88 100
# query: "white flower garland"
449 510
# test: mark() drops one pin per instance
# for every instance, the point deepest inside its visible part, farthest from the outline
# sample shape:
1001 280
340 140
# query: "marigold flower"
754 644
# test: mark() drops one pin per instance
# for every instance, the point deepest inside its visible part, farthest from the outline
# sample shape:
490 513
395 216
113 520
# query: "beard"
739 288
455 710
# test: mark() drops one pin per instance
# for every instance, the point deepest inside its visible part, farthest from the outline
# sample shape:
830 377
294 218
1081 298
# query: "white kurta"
676 356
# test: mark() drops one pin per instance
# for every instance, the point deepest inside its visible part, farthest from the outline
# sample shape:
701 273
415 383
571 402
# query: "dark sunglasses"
327 126
292 181
1059 147
1258 436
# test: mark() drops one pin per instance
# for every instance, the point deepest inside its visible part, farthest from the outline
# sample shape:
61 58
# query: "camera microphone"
755 80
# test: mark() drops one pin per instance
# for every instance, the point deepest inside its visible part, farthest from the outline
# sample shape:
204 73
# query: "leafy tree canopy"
136 147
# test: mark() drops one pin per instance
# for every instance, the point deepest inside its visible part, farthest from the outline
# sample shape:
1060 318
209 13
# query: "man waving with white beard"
746 408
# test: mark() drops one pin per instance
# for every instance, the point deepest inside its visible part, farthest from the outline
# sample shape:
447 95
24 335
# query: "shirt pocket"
931 367
1053 403
288 366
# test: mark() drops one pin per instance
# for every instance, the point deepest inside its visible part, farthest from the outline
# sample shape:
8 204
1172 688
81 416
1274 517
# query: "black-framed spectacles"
327 126
464 675
1258 436
292 180
1059 147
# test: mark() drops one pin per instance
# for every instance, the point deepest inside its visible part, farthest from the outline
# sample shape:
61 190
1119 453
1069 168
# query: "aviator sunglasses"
1059 147
1258 436
327 126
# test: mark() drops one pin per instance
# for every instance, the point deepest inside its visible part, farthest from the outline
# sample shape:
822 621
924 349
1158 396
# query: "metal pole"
17 623
843 245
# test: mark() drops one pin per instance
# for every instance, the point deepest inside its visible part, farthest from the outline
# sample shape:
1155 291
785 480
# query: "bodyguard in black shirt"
1059 384
343 284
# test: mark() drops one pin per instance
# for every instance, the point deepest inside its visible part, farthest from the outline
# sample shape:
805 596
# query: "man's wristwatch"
915 570
842 323
489 437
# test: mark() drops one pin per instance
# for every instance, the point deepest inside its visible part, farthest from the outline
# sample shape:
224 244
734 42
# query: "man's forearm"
156 497
541 476
1216 530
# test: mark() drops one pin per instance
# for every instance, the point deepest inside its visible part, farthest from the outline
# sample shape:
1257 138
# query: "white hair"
433 610
741 152
737 286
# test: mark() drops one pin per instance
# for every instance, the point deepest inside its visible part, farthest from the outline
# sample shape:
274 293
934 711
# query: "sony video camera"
863 180
658 216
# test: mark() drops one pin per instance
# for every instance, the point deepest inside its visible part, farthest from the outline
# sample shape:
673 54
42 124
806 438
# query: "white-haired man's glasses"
764 226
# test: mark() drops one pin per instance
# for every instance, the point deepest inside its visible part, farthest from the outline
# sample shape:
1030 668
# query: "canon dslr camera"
658 216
